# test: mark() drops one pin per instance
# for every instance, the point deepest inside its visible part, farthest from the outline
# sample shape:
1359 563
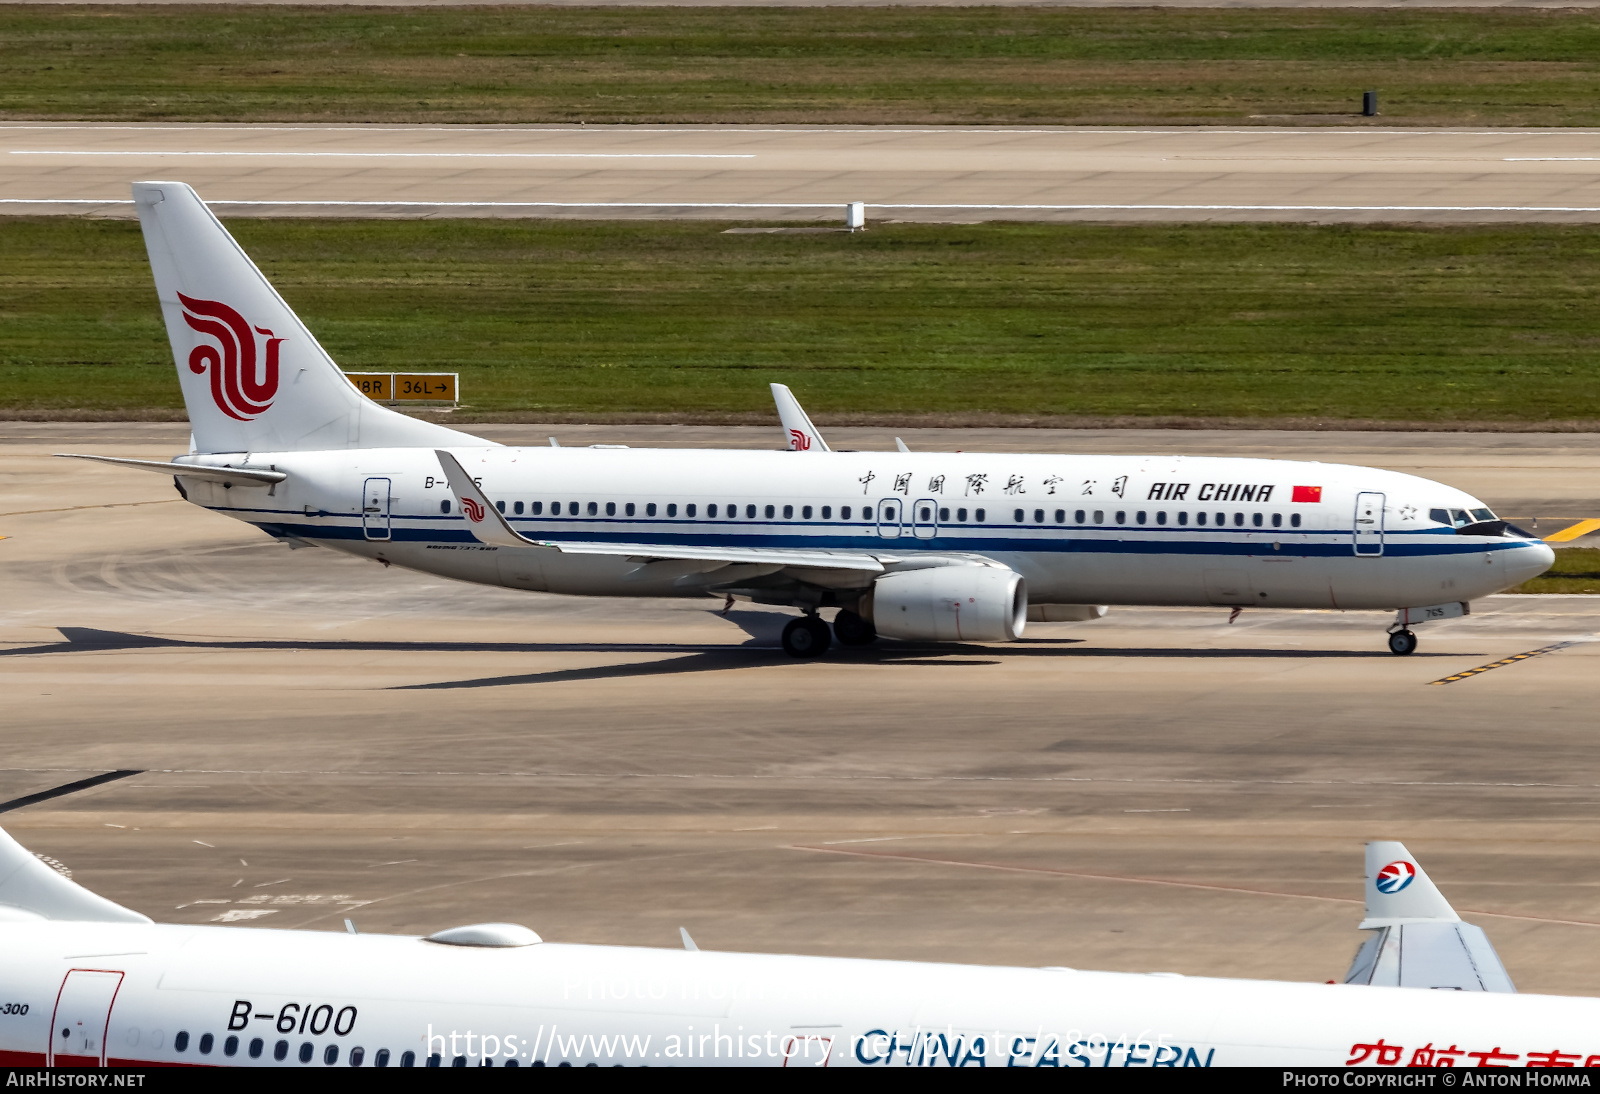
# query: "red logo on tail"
798 441
243 382
473 510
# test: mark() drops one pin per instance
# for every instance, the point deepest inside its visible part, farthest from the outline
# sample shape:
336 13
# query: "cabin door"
375 509
1369 525
83 1011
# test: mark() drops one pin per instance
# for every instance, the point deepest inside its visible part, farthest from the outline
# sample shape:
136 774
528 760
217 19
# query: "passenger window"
1061 516
380 1058
537 508
256 1045
357 1054
516 507
206 1041
978 515
181 1041
1122 517
805 514
628 509
1099 516
1183 518
408 1059
1078 516
306 1049
688 510
459 1061
280 1051
750 512
866 512
330 1055
1277 520
572 508
672 508
594 509
444 507
944 515
827 512
1016 516
844 512
771 512
711 510
230 1047
1255 519
1161 518
961 515
1238 520
788 512
1139 516
1294 520
1038 516
650 509
434 1059
500 505
611 508
1199 518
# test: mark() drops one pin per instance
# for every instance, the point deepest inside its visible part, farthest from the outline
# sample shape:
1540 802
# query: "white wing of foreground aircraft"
88 983
926 546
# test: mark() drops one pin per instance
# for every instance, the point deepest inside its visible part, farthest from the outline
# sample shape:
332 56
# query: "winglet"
798 432
486 523
1399 889
688 943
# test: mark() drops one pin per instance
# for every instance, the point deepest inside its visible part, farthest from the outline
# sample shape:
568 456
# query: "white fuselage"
87 994
1157 530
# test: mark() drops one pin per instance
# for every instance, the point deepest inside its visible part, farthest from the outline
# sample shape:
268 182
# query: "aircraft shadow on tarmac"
760 650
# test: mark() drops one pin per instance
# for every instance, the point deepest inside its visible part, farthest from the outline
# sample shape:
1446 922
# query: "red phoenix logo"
473 510
243 382
798 441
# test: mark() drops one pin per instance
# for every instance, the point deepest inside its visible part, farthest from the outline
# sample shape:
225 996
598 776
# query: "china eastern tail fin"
29 889
799 435
1418 940
253 377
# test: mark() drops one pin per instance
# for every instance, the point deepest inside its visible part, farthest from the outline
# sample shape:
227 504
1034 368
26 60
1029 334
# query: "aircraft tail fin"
29 889
798 432
1418 940
253 377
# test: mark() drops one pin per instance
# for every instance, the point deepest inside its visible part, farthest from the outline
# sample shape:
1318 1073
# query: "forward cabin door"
1369 525
83 1011
375 509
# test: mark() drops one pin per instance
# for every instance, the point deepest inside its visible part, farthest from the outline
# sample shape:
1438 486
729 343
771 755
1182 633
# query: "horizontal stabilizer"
1418 940
31 890
187 470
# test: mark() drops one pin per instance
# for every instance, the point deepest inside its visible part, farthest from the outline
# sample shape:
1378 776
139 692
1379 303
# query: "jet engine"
949 604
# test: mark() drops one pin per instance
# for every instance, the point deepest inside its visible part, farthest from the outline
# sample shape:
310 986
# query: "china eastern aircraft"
89 983
928 546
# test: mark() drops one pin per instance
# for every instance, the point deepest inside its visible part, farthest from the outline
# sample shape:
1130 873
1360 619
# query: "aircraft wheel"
851 630
1402 642
806 637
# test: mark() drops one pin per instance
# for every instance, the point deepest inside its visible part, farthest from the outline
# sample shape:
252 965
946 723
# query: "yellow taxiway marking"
1582 528
1512 660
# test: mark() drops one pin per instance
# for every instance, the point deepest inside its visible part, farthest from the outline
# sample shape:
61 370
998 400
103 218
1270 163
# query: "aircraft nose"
1529 560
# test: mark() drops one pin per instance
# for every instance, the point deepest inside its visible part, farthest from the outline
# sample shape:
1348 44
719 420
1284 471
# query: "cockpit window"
1439 516
1483 514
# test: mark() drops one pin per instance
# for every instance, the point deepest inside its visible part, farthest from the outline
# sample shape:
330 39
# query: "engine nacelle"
949 604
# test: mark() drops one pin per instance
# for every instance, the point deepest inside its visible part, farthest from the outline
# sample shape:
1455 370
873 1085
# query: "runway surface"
314 737
1323 174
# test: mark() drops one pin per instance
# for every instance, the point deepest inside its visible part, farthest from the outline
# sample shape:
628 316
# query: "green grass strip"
807 65
1577 570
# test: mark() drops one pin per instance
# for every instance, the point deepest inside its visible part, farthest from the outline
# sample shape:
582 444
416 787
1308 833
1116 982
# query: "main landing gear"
1402 642
851 630
806 637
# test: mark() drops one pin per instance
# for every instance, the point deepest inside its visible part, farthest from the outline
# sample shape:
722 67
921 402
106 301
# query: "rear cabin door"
1369 525
375 509
889 518
83 1011
924 518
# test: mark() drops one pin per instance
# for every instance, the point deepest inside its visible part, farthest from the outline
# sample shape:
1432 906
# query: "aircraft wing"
798 432
490 526
187 470
1418 940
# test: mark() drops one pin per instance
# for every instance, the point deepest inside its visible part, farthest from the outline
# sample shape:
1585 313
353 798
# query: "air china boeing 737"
89 983
941 547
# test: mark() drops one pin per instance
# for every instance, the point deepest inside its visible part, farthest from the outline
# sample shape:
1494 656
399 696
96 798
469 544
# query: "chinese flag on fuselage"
1307 493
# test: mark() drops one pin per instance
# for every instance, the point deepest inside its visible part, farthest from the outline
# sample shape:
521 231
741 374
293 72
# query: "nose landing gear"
1402 642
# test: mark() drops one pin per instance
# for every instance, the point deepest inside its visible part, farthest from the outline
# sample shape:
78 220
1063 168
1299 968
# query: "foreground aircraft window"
1459 518
611 508
650 509
230 1047
750 512
536 508
1122 518
256 1045
977 515
1016 515
1255 519
206 1041
1078 516
1183 518
672 509
594 509
1222 518
1483 514
827 512
380 1058
1238 520
1439 516
1061 516
688 510
961 514
788 512
866 512
944 516
805 513
407 1058
1277 520
330 1055
444 507
1038 516
1294 520
356 1055
516 507
771 510
1099 516
306 1049
1161 518
628 509
1199 518
280 1051
500 505
1139 516
434 1059
181 1041
572 508
711 510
